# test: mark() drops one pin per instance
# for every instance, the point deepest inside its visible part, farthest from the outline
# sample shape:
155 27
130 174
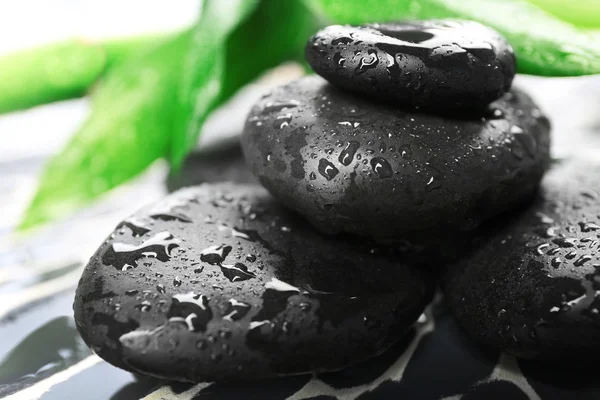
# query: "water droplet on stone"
368 62
236 310
215 255
280 105
347 155
588 226
343 40
237 272
582 260
158 246
339 60
192 310
571 255
565 242
327 169
145 306
540 249
382 168
556 261
283 120
137 226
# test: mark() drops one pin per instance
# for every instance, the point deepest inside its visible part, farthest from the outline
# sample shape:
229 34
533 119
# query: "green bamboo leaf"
200 88
275 32
63 70
127 130
49 73
134 109
582 13
120 49
544 45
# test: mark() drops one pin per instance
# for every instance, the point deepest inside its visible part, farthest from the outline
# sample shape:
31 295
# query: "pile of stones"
410 164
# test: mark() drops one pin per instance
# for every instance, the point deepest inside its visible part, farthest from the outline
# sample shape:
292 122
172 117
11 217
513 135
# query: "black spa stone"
532 289
221 283
437 64
350 165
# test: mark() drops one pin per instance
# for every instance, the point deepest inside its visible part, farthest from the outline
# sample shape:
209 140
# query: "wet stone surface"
221 283
532 288
350 165
439 65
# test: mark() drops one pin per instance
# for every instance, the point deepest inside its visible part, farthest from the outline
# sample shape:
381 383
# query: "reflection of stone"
49 349
316 387
507 369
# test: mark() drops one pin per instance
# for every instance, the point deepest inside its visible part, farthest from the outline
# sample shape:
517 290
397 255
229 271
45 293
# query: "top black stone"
439 64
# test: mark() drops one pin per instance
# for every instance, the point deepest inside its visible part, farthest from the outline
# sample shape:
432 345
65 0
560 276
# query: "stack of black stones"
412 165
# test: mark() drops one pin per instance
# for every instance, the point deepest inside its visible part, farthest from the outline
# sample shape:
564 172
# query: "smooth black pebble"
349 165
533 288
437 64
221 283
220 162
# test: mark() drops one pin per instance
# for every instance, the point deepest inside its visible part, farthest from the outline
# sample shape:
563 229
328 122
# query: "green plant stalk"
61 71
581 13
543 44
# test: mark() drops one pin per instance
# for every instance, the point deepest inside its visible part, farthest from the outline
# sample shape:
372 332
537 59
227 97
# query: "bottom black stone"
220 283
